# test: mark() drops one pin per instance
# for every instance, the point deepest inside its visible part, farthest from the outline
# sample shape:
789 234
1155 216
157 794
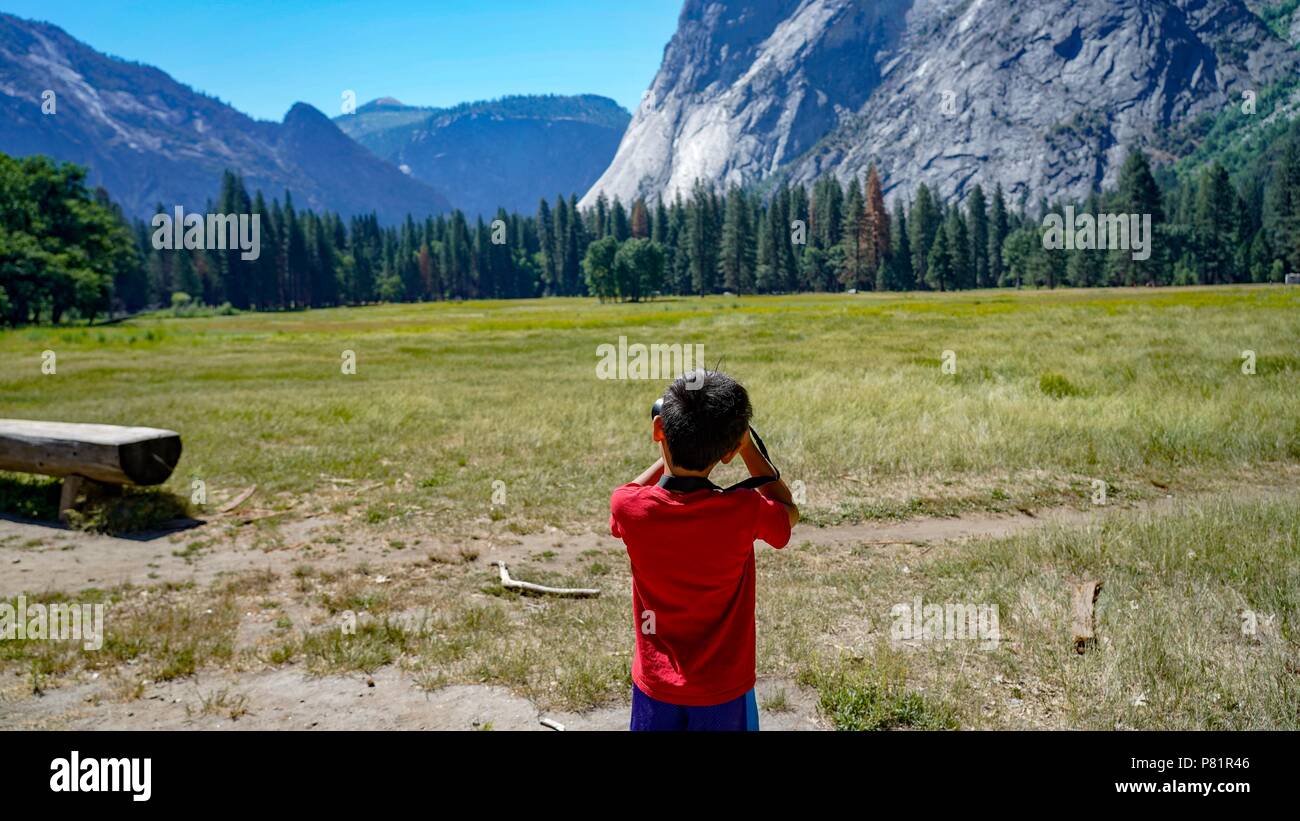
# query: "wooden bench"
89 458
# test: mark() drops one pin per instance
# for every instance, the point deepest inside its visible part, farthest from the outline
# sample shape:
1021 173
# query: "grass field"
1052 390
1141 389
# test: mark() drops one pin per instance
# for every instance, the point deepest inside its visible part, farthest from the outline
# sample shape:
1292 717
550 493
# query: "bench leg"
79 488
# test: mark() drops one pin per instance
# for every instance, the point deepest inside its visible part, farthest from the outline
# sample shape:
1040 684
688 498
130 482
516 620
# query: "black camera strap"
689 484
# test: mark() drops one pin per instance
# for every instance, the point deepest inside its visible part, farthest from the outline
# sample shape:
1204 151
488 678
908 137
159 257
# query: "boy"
692 554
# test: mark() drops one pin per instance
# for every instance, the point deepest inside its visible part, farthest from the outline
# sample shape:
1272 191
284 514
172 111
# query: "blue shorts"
739 714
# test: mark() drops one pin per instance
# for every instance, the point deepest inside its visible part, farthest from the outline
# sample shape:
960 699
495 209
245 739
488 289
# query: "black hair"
705 413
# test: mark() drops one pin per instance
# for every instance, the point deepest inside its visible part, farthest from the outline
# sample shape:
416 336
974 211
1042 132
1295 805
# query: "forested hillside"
67 252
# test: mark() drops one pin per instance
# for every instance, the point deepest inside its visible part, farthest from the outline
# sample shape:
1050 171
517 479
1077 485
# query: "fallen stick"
513 584
250 516
552 724
887 542
1084 597
238 500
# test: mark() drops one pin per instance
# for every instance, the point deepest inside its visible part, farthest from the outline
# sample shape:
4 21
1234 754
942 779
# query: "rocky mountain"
1283 16
1043 97
509 152
149 139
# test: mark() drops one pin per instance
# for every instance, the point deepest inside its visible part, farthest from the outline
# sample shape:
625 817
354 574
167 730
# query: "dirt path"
39 556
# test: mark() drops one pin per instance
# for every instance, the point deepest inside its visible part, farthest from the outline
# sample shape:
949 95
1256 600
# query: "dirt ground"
55 558
38 556
288 699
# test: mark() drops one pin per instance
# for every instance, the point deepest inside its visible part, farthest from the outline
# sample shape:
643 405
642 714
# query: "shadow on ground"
139 514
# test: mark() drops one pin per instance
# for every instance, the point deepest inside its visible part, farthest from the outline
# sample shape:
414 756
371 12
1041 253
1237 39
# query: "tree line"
66 251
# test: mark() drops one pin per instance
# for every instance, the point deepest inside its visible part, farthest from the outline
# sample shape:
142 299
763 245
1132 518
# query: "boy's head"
703 418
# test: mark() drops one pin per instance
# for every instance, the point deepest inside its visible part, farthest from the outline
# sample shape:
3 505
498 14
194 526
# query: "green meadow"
1141 389
1148 391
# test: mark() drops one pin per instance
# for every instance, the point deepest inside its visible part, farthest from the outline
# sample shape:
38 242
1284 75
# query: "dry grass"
1141 389
1171 652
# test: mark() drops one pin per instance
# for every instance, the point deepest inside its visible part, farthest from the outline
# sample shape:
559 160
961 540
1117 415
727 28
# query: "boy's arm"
651 474
759 466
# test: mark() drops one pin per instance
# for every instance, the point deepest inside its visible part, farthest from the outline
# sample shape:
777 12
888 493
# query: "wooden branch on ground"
238 500
514 584
1084 598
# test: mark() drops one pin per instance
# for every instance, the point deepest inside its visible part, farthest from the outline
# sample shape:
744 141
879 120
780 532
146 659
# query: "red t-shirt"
693 587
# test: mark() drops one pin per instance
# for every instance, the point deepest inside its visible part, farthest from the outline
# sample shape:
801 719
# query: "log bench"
91 459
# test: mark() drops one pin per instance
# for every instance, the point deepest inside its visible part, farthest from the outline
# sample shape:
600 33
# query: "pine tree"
159 274
736 260
853 263
786 261
599 227
827 212
460 254
187 279
1139 194
999 228
1214 226
963 275
938 267
575 245
563 218
702 235
295 257
1087 268
874 230
977 218
659 226
237 268
765 278
799 213
902 277
925 219
1282 208
546 238
325 288
640 220
261 272
619 228
678 229
501 260
408 266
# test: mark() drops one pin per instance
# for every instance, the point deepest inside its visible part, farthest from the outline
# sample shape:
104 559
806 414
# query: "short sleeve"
616 501
772 522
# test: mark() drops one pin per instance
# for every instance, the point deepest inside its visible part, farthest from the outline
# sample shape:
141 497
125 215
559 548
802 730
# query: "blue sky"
261 56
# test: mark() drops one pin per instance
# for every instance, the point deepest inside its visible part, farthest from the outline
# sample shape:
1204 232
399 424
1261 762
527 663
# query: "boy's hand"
758 465
747 442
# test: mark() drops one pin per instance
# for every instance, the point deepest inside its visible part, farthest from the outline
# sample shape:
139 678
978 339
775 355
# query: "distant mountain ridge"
509 152
149 139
